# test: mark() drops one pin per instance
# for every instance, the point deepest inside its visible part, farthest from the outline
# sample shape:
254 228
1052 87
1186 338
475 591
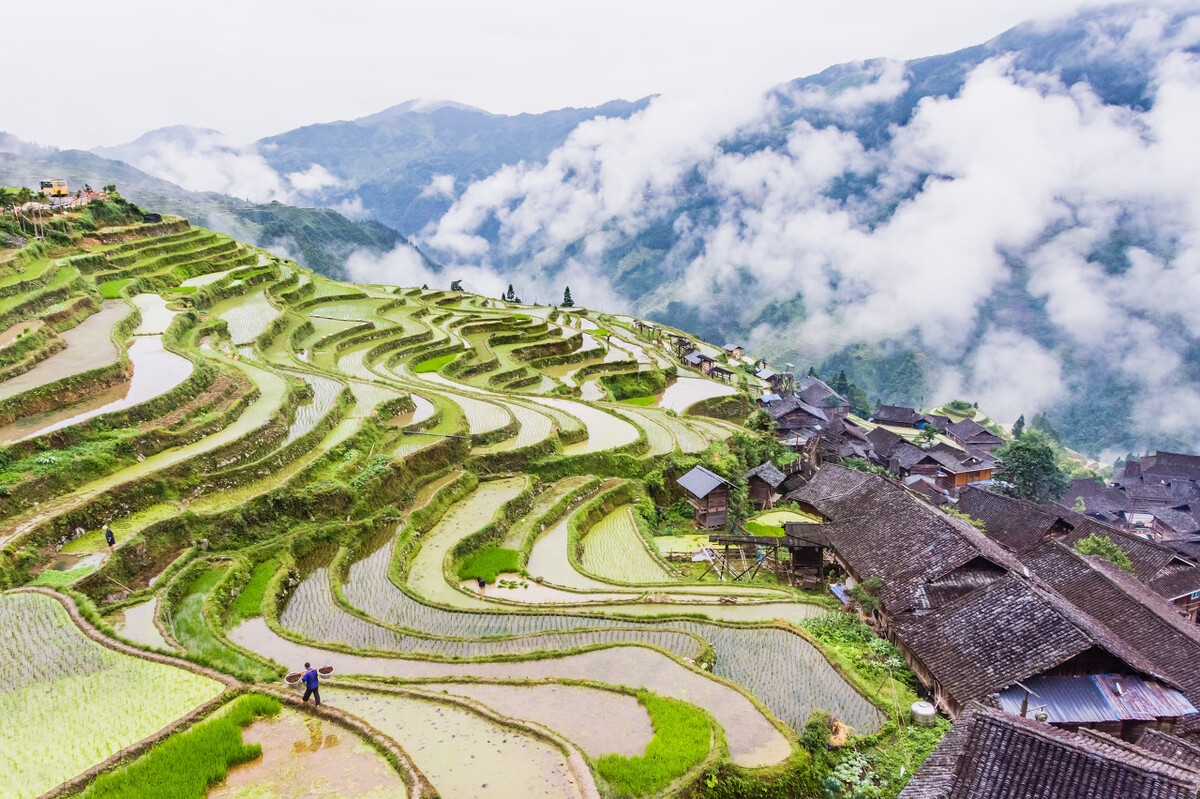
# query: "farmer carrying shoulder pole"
109 538
312 684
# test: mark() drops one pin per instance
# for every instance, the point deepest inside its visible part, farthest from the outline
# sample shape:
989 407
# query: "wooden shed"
761 484
708 493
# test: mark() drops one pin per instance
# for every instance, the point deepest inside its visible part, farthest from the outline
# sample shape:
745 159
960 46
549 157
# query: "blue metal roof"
700 481
1073 700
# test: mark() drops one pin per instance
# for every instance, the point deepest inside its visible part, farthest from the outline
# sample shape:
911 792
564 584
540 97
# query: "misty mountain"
319 238
1016 222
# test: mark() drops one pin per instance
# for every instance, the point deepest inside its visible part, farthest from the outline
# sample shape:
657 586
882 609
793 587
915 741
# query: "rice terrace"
467 510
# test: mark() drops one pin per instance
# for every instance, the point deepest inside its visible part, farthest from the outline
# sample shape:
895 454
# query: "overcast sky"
108 72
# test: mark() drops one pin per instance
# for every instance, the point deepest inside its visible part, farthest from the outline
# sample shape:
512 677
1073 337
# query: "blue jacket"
310 679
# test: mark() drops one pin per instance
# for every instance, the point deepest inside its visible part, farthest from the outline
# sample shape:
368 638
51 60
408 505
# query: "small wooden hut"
708 493
761 484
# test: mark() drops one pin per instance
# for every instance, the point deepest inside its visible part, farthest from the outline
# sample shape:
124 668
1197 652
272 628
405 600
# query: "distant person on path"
312 682
110 538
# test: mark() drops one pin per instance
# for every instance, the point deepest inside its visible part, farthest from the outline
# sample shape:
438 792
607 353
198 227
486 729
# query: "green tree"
1030 466
511 295
567 302
456 285
926 437
812 372
1103 547
1018 426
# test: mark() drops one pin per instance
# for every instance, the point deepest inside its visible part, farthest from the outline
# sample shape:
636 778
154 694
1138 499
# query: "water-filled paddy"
753 741
156 317
686 391
600 722
613 549
462 754
136 624
89 346
155 371
306 756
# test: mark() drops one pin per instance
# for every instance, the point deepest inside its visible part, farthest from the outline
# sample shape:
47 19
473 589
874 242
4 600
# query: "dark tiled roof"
1176 582
1006 632
767 473
940 422
1172 747
884 531
817 392
789 404
993 755
1182 522
896 414
1141 618
1171 464
1016 524
700 482
884 441
972 432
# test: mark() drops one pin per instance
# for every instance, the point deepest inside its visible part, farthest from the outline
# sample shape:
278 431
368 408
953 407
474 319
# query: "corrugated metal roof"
700 481
1073 700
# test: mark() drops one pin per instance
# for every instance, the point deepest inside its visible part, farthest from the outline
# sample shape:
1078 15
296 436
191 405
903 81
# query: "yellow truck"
55 188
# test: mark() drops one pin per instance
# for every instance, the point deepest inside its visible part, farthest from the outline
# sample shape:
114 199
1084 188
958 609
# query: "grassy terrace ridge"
342 465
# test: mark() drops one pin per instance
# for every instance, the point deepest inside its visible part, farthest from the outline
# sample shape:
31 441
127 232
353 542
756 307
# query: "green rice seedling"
682 736
433 364
613 549
248 603
51 671
189 628
488 563
187 764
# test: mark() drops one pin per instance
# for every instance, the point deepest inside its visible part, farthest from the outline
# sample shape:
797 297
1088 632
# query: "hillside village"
434 491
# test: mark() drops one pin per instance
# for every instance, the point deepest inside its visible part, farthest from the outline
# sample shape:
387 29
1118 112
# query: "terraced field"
300 470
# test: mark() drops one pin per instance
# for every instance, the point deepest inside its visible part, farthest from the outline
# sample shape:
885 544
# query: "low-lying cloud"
1019 182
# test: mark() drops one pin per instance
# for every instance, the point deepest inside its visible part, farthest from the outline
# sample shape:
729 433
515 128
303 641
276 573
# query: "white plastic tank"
924 714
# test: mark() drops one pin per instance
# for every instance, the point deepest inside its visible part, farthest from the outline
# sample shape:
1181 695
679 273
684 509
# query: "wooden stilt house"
708 493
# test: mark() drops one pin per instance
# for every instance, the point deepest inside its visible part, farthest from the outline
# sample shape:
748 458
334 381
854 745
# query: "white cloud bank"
1014 181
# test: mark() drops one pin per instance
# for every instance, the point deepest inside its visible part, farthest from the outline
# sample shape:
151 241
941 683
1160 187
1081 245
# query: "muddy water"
155 371
155 315
464 517
591 391
599 722
204 280
686 391
304 756
753 741
605 431
137 624
247 315
89 345
462 754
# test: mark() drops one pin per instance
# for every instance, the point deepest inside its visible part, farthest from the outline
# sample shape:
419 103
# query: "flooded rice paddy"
50 671
599 722
89 346
462 754
306 756
613 549
687 391
155 371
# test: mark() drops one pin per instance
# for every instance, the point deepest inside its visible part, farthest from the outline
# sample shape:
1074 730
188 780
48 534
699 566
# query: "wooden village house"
708 494
973 620
761 484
